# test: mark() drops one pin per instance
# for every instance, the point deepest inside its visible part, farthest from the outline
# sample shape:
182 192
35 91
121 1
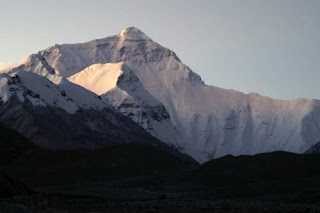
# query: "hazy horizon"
266 47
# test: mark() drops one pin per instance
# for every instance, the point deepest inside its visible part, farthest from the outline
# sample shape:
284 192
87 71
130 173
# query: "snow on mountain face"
59 117
212 122
107 79
119 86
32 85
40 91
98 78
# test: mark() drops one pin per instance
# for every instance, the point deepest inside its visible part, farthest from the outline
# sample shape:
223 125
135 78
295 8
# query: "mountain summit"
134 34
150 85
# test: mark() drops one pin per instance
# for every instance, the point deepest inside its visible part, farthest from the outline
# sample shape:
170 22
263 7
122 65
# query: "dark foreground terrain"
95 205
142 178
272 182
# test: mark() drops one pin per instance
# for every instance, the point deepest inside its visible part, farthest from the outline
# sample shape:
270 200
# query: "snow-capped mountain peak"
148 83
133 34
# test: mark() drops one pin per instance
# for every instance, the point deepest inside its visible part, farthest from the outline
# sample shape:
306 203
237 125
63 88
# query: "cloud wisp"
6 67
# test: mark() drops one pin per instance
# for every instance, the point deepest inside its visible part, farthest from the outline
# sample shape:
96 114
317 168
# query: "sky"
271 47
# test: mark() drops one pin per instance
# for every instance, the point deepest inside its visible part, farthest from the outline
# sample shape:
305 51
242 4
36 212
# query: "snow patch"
98 78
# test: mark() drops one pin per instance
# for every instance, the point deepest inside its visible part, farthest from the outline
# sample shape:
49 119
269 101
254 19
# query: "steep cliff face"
149 84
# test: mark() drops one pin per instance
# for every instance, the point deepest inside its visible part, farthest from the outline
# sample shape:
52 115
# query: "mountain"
117 85
85 166
149 84
276 176
10 187
12 145
314 149
58 116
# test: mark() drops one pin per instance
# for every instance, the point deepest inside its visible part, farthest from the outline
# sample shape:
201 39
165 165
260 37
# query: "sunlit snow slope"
148 83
